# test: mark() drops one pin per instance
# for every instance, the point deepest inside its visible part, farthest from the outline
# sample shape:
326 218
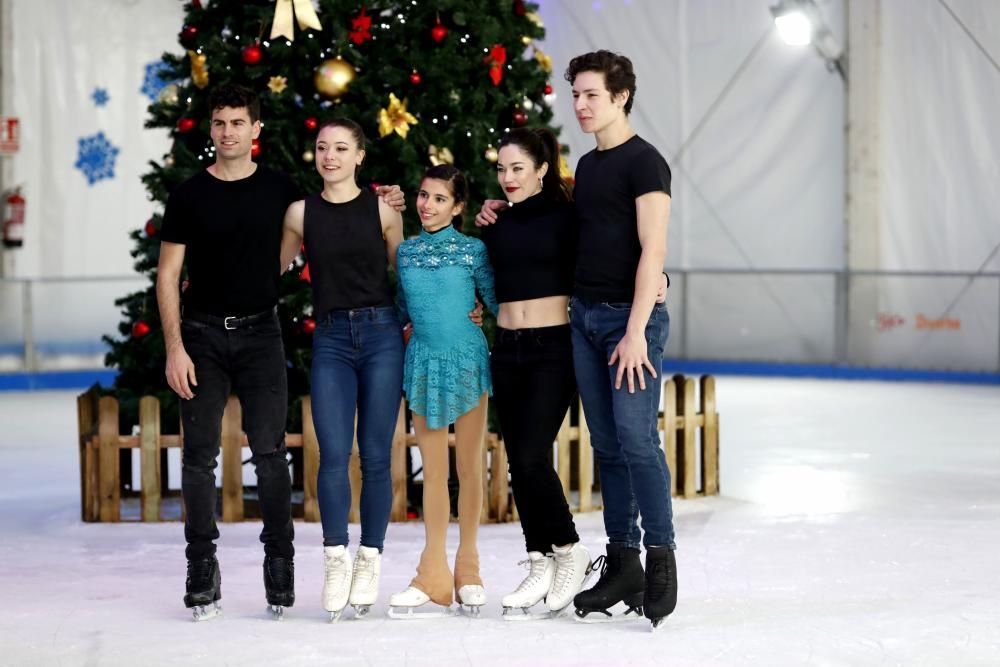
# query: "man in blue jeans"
622 196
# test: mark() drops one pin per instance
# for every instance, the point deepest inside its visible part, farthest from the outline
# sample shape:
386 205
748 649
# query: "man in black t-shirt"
622 195
225 223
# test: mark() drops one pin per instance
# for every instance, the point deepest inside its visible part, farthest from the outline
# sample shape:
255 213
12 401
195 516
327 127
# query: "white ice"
859 525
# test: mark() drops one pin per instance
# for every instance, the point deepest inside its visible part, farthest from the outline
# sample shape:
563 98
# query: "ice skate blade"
206 612
605 616
276 611
525 614
471 610
361 610
657 623
411 613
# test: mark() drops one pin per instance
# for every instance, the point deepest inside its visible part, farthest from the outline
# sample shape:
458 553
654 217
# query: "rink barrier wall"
689 428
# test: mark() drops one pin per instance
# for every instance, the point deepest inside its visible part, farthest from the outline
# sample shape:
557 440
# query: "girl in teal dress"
446 378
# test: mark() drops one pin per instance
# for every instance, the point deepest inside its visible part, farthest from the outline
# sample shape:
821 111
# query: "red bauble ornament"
140 329
415 78
439 32
547 90
150 228
252 54
189 33
308 325
254 148
311 123
519 9
520 117
185 125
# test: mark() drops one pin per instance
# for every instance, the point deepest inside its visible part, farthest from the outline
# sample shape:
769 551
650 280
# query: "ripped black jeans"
249 361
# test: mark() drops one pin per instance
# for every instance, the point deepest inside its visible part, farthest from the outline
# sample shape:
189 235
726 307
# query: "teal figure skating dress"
447 365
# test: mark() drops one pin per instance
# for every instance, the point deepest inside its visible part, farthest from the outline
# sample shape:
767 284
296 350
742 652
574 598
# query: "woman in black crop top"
532 250
351 237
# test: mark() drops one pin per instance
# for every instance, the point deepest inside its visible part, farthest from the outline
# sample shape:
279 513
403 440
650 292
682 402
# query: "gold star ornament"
395 118
277 84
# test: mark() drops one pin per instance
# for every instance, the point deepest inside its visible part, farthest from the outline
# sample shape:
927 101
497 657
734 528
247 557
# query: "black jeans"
249 361
533 384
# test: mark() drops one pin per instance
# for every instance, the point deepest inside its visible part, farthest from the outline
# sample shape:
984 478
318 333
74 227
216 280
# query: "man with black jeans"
226 223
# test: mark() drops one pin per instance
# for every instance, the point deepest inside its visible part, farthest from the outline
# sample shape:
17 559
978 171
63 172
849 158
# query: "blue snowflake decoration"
100 96
96 158
153 81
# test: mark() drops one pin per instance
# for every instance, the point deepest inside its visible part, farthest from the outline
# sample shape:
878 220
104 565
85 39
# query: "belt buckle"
225 323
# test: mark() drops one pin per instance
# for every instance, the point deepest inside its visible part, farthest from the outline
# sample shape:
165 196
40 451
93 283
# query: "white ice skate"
403 605
532 590
471 597
572 564
337 580
206 612
364 583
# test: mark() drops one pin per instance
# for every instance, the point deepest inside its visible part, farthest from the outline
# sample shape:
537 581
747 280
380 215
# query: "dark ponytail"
541 145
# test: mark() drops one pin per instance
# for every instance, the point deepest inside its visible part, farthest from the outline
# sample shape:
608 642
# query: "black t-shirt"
533 249
607 185
232 233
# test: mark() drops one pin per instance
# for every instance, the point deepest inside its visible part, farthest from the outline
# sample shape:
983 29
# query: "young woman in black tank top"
351 237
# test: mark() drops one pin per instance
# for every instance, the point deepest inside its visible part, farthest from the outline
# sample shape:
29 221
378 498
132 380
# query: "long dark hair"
456 183
541 146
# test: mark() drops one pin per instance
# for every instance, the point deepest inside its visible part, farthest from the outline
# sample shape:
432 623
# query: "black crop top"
532 248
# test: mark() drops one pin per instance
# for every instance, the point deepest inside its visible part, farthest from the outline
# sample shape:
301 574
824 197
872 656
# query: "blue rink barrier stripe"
823 371
56 380
106 377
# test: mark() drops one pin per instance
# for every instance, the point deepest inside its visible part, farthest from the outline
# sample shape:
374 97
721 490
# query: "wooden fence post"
232 461
354 475
149 456
86 414
310 463
670 432
108 483
709 437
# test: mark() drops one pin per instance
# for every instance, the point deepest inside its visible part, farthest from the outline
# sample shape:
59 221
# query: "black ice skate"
621 580
279 584
661 584
203 588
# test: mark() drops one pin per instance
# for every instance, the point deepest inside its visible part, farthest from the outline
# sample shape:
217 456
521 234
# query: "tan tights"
433 576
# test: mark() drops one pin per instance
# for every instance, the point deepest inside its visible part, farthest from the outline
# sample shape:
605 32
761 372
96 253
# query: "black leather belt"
230 323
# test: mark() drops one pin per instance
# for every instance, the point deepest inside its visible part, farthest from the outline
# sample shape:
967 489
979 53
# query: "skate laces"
599 562
280 571
659 578
336 568
199 572
536 569
364 568
563 571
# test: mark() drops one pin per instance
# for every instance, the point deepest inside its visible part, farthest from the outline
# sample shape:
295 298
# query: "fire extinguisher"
13 223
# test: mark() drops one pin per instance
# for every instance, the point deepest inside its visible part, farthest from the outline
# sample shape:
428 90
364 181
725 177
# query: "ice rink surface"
857 526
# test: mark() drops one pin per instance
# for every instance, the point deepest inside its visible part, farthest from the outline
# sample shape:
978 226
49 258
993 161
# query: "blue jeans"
357 366
635 479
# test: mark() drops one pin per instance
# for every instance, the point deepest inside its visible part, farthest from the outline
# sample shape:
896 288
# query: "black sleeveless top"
346 252
532 249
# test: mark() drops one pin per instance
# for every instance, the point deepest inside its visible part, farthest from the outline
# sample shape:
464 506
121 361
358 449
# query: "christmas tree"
429 82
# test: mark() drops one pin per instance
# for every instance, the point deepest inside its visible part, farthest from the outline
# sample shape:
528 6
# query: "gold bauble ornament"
333 77
168 161
308 156
491 154
169 94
